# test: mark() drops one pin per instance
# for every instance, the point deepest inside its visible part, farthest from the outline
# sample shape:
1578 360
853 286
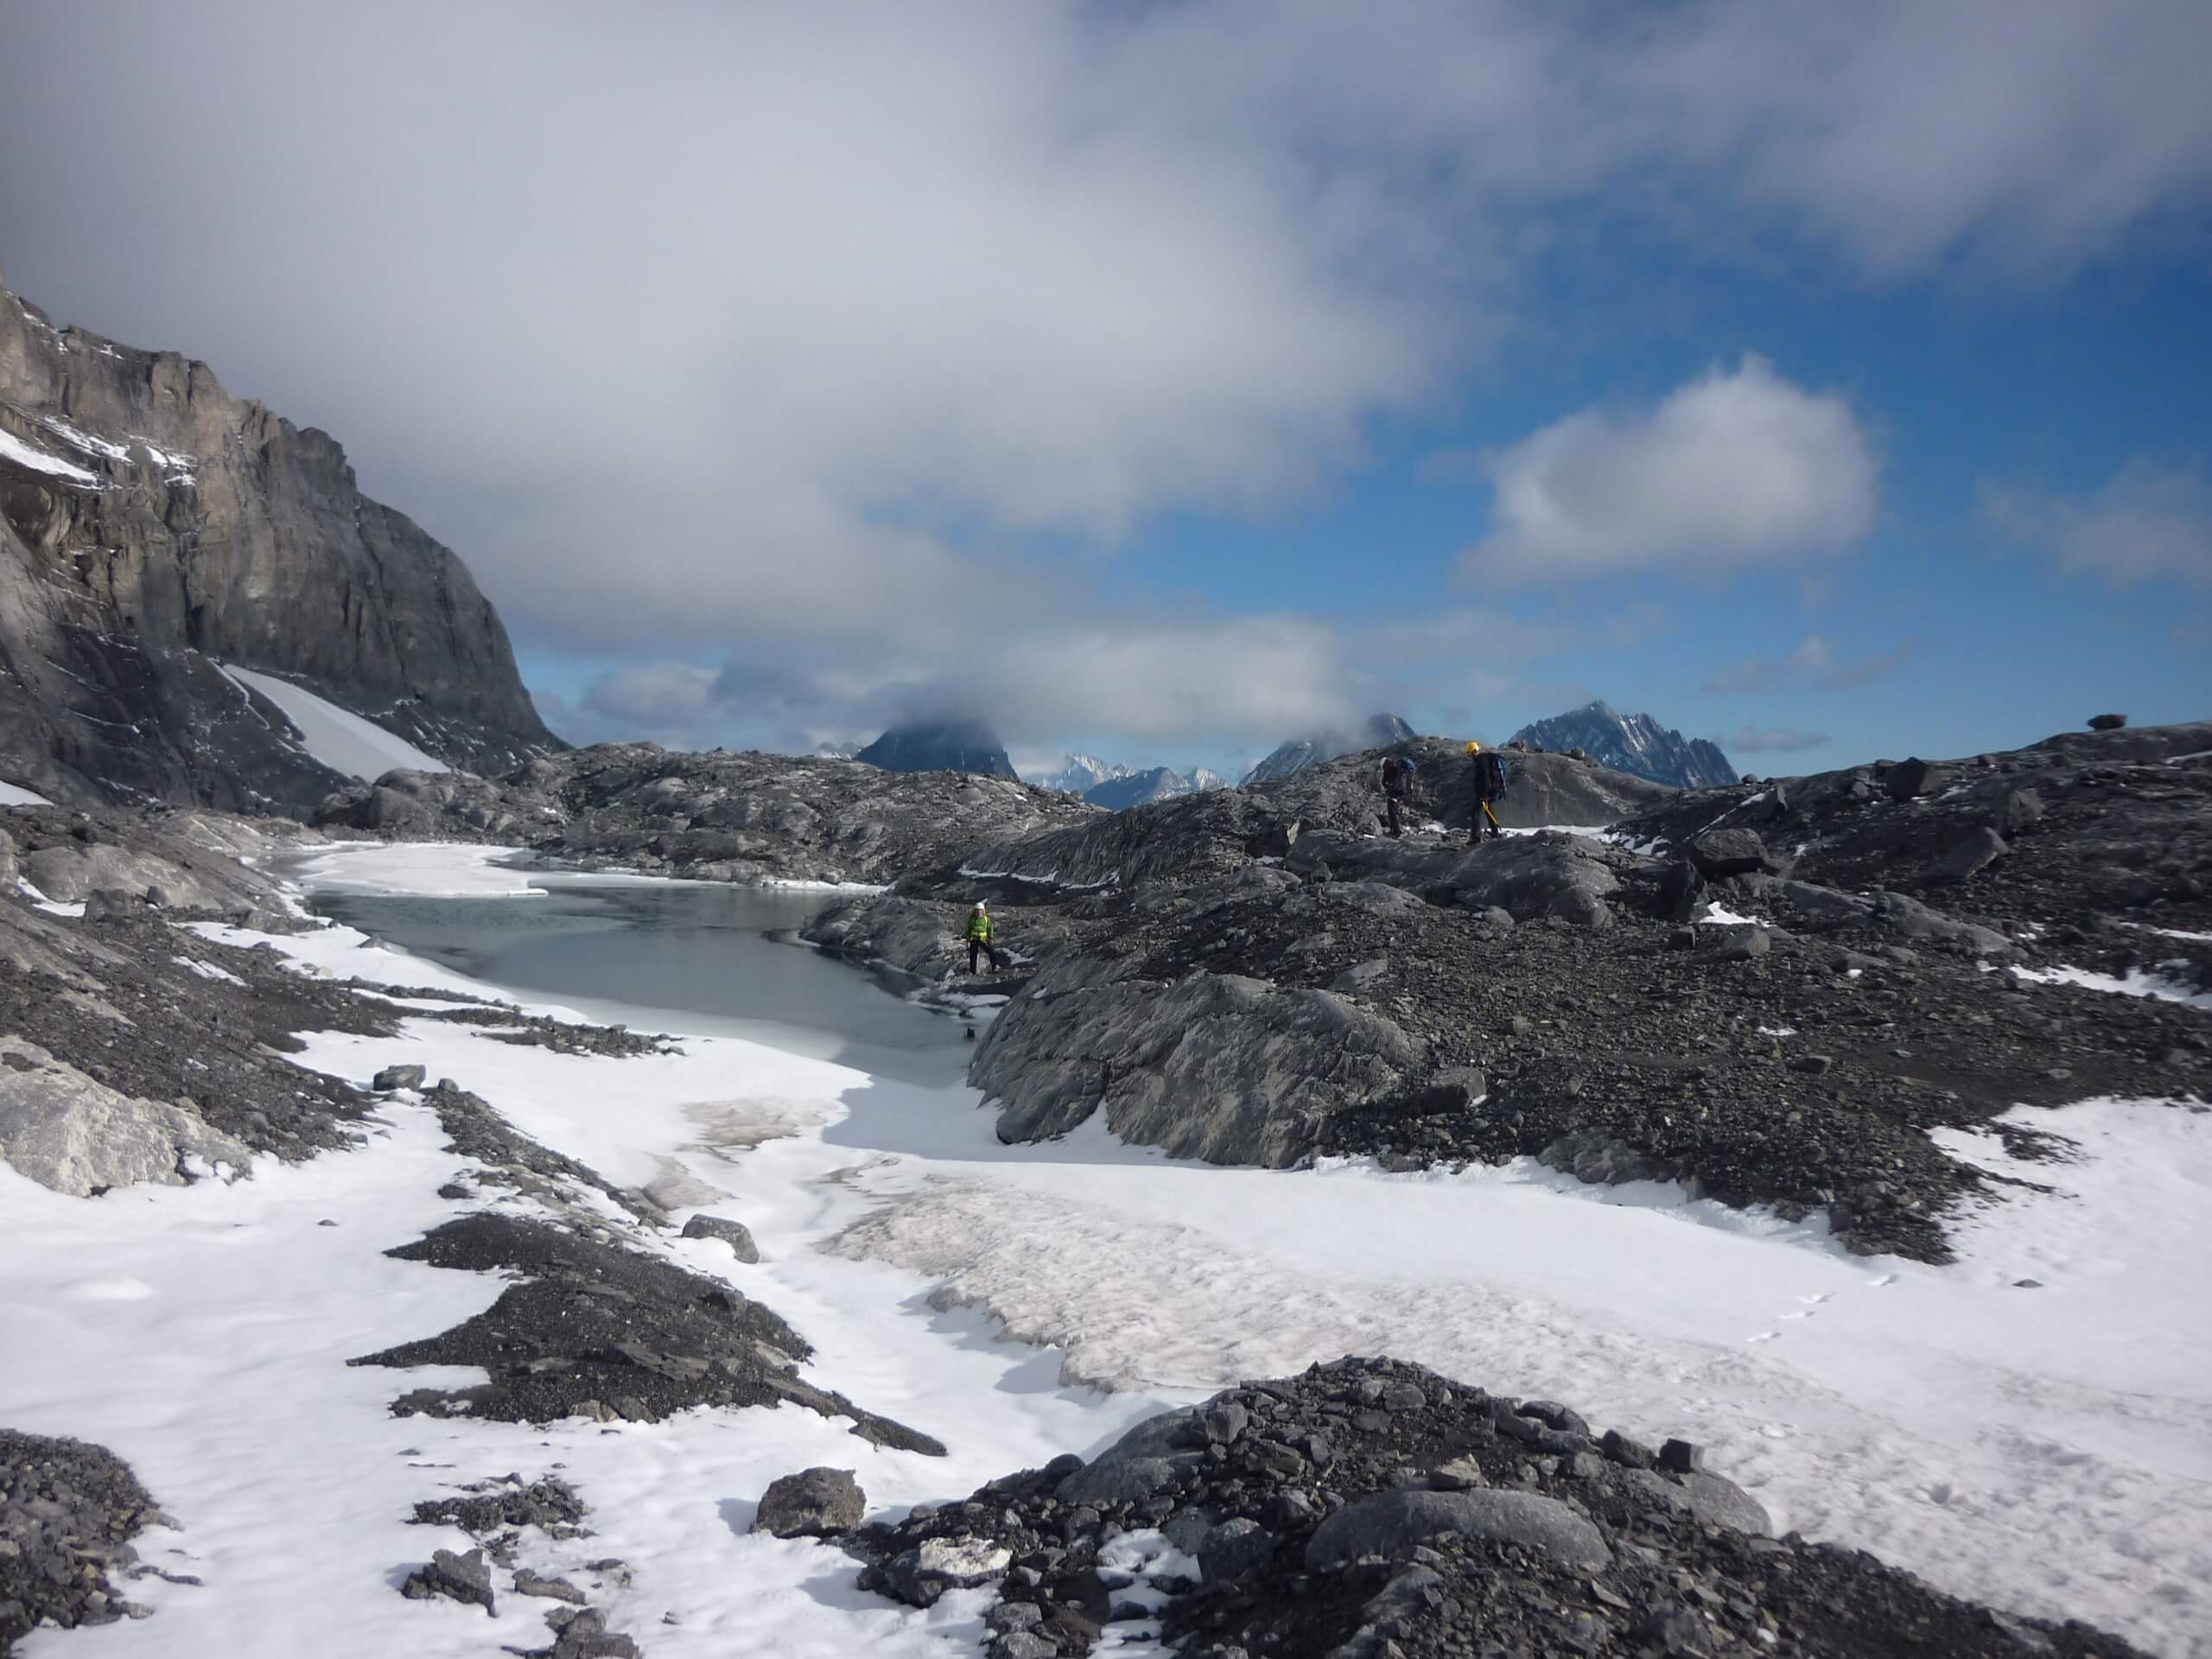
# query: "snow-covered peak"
1636 744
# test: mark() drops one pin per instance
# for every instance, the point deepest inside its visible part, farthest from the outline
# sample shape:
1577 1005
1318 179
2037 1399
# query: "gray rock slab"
1388 1524
66 1131
1712 1499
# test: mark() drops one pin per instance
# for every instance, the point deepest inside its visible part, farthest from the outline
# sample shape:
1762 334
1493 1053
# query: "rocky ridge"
717 816
153 524
1296 755
1678 998
1370 1509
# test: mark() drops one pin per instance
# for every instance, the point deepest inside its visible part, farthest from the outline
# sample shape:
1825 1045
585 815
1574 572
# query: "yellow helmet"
1474 748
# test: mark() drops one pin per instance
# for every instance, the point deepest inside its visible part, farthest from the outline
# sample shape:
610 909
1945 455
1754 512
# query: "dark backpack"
1393 775
1493 775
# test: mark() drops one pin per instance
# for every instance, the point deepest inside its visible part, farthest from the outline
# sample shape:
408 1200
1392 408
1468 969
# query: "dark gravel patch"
117 1011
68 1512
591 1328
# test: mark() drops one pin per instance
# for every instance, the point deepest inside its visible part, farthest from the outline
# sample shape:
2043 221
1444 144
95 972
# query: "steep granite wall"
151 521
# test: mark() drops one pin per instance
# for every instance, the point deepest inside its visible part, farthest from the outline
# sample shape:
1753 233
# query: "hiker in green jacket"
979 938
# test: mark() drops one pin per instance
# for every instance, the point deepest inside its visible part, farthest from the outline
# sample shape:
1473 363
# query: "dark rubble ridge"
1373 1510
69 1511
1266 998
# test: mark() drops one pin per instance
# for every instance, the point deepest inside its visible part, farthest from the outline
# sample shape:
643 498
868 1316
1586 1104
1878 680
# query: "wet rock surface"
69 1511
1370 1509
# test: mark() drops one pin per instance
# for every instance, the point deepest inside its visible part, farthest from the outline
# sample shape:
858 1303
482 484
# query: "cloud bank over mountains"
843 342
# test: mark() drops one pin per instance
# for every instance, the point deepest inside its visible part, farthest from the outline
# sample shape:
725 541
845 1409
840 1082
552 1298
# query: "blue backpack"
1493 776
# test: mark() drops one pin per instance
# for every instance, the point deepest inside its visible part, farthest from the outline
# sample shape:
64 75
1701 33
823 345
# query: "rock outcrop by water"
728 817
1675 999
1370 1509
152 524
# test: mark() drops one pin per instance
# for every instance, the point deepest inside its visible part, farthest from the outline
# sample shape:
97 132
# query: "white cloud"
2149 521
1812 661
1737 468
779 331
1771 740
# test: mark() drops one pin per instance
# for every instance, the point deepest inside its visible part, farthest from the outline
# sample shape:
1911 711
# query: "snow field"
337 737
16 795
2047 1448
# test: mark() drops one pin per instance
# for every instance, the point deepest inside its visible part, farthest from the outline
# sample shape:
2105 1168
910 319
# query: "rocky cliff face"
1633 743
153 524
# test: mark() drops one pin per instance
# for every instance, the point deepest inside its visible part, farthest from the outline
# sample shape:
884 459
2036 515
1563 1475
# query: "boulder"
1912 778
1233 1549
2107 722
813 1503
1596 1157
399 1077
1534 877
1972 852
1746 944
1709 1498
68 1132
458 1577
114 904
1390 1524
1682 890
2020 810
921 1576
734 1234
1719 854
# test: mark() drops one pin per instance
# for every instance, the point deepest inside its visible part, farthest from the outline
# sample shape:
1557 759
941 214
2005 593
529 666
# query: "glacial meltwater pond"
635 951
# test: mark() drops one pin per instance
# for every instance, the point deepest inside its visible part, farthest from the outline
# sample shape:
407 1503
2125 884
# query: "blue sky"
1161 381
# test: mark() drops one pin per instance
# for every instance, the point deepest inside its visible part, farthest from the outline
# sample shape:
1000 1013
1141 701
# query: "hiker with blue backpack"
1486 778
1395 774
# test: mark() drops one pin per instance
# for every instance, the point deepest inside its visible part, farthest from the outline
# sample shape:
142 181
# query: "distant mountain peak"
1078 774
1636 744
1377 732
941 746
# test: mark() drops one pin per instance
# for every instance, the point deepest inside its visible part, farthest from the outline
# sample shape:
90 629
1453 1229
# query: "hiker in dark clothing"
1396 773
1486 782
979 939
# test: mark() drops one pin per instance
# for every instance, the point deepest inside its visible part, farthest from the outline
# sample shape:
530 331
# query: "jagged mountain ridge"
1378 731
1078 774
1633 743
941 746
1155 783
152 524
